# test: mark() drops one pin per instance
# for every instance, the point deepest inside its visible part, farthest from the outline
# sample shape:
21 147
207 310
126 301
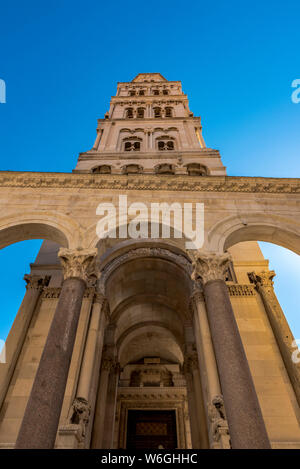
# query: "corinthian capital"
263 279
78 263
34 282
210 266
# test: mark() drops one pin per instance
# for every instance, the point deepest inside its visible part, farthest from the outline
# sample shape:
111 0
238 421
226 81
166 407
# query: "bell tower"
149 128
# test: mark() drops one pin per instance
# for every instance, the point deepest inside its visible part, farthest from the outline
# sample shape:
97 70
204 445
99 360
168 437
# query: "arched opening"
148 302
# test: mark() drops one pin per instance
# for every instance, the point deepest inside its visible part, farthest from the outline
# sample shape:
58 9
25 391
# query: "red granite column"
245 420
41 418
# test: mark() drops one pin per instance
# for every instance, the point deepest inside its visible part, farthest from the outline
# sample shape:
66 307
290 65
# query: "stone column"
98 432
283 335
195 432
245 420
110 411
218 431
40 421
16 337
192 366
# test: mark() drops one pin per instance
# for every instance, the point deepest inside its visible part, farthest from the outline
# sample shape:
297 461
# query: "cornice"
243 184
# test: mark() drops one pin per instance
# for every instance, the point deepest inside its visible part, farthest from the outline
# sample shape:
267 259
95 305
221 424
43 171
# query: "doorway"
151 429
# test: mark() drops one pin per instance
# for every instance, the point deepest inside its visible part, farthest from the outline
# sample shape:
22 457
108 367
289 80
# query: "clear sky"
61 61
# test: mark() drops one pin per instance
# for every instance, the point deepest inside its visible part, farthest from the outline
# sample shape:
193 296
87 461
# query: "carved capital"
78 263
34 282
263 278
190 362
210 266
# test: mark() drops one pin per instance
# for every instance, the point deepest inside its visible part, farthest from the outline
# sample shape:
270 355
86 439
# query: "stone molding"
210 266
191 362
51 292
78 263
150 182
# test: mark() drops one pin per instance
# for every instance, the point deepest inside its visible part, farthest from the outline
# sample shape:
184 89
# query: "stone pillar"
192 367
76 432
98 431
40 421
195 432
110 411
245 420
96 327
283 335
218 431
16 337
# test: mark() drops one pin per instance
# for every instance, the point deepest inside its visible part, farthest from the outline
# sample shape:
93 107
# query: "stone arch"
255 227
39 225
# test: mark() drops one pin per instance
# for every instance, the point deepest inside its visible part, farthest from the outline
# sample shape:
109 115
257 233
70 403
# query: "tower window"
165 92
196 169
165 145
140 113
103 169
157 112
132 93
142 92
156 92
129 113
169 112
132 145
165 169
132 169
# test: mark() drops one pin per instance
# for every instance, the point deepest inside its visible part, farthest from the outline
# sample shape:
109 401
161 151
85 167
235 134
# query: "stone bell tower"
143 343
150 129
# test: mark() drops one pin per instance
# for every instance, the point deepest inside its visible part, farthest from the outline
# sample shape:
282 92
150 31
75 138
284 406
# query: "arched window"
132 169
169 112
157 112
103 169
196 169
132 144
165 92
156 92
140 112
165 144
142 92
129 113
132 93
164 169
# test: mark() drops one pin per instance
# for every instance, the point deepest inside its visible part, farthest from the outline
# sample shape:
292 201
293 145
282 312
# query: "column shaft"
246 424
40 422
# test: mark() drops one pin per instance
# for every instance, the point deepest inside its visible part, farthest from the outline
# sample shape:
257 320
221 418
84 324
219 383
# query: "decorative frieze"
51 292
150 182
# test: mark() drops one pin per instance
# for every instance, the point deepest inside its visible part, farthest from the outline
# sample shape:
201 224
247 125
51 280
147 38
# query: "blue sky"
61 62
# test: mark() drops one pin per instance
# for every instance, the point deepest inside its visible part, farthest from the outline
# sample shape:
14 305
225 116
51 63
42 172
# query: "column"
110 411
40 421
283 335
245 420
16 337
96 328
217 423
192 366
195 432
106 366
